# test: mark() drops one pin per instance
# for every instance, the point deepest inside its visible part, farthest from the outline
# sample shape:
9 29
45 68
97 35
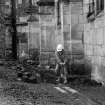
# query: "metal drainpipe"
29 40
62 23
40 36
14 33
56 21
30 5
70 36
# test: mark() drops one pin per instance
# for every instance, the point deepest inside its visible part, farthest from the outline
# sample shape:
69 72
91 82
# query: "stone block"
87 27
99 23
96 59
103 50
98 50
100 36
103 61
76 29
82 19
77 36
86 1
66 9
88 50
59 38
66 36
74 19
77 47
104 19
85 8
92 34
104 36
96 73
85 37
66 28
67 45
76 8
88 38
66 19
94 38
80 27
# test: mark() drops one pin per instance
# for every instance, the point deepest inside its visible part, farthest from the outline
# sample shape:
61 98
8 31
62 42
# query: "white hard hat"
23 53
59 47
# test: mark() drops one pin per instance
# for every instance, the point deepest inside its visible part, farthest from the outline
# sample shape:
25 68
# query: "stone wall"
45 34
70 33
94 44
73 28
77 28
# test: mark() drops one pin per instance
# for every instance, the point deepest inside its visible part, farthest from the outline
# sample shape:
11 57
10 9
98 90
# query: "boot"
58 80
65 80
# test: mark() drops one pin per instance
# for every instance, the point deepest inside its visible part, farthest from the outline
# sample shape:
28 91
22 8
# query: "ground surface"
13 92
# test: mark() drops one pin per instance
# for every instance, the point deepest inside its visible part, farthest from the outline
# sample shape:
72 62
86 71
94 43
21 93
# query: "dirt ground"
14 92
95 93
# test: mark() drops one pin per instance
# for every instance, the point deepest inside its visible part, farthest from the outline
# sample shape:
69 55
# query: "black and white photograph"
52 52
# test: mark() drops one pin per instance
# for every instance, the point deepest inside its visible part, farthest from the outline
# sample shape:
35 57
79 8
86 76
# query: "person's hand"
62 63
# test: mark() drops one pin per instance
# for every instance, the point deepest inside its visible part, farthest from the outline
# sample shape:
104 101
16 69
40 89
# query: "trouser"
61 71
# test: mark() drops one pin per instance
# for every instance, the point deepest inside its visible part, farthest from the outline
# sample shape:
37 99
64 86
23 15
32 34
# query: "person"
23 56
61 63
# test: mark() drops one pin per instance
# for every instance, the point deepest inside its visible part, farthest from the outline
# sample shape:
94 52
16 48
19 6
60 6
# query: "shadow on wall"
102 70
98 73
81 67
81 74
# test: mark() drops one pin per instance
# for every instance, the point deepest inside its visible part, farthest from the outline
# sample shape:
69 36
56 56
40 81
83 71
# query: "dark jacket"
60 57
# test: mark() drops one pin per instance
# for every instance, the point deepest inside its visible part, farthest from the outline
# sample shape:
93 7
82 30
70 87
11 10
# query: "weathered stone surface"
88 50
74 19
99 36
99 23
85 8
82 19
94 36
